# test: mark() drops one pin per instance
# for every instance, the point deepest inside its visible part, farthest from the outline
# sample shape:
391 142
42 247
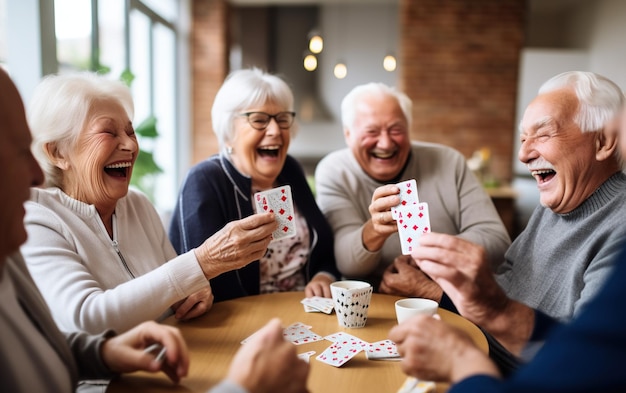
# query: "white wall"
607 44
360 35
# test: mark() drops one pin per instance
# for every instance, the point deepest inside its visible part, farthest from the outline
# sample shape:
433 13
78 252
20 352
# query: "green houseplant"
146 168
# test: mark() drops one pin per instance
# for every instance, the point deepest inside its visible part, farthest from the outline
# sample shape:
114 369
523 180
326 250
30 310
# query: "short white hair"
350 101
600 100
244 89
59 110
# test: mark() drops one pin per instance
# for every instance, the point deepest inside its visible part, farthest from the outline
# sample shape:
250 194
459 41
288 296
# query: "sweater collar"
613 187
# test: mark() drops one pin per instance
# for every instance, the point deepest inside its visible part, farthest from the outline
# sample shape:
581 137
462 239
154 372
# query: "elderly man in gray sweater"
565 254
356 190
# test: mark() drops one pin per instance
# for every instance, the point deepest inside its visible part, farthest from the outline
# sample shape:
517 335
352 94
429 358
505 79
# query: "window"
116 36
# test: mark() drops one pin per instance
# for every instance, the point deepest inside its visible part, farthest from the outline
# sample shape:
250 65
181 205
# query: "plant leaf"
127 77
145 165
147 128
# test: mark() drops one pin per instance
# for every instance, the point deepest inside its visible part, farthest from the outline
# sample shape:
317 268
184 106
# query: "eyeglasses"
260 120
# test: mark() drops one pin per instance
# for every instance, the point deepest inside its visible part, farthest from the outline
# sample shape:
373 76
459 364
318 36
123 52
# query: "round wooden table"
214 338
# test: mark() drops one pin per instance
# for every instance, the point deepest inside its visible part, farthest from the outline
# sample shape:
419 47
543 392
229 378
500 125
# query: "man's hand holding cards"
411 216
278 201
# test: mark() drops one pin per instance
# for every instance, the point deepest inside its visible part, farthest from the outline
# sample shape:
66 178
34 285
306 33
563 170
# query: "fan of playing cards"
278 201
411 216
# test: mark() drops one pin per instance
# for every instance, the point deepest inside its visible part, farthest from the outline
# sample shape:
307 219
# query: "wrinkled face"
560 157
98 167
18 168
260 154
379 137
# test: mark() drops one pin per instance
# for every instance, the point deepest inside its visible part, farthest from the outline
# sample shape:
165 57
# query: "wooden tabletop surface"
214 338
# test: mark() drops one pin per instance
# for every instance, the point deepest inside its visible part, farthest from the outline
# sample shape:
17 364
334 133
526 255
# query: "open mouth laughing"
383 155
269 151
543 175
119 169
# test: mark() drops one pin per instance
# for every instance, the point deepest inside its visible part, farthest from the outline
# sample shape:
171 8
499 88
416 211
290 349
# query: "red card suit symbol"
283 198
281 211
403 203
285 229
409 240
410 215
265 207
415 227
290 218
420 215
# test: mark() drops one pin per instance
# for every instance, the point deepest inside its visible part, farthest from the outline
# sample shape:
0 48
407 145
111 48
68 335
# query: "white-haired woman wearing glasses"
97 250
253 119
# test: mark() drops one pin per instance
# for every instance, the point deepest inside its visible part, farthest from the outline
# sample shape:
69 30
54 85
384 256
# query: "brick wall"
209 67
460 61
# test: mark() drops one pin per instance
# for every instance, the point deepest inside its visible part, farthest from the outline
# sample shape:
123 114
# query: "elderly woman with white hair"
97 250
253 119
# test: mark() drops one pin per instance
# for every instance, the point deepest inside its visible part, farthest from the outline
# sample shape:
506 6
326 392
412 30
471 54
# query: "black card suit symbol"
345 315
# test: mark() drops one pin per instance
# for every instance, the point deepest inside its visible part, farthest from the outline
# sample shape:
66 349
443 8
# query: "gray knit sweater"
560 261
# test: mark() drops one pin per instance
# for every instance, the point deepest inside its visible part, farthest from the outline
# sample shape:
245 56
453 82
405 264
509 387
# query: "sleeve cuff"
446 304
543 325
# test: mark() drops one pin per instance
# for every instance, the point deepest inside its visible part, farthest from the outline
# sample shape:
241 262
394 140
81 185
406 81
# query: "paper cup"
406 308
351 300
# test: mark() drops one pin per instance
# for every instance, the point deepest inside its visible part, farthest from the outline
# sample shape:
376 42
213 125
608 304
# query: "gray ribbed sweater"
560 261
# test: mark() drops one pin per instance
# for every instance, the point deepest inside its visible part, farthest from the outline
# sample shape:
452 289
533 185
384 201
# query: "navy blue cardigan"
215 193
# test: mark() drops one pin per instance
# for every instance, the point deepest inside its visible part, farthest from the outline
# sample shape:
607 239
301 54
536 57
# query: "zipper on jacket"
117 248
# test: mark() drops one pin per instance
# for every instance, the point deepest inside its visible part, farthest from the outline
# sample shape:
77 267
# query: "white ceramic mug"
406 308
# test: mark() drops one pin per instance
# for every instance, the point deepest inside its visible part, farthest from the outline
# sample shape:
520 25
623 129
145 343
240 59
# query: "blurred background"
470 66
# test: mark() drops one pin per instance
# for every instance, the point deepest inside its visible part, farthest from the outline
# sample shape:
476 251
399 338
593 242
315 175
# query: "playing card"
414 385
319 303
382 350
346 339
278 201
298 333
338 354
408 196
310 309
413 221
306 355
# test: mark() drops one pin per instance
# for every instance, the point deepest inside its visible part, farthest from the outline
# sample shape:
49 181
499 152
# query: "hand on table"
381 225
267 363
434 351
236 245
404 278
125 353
319 286
194 305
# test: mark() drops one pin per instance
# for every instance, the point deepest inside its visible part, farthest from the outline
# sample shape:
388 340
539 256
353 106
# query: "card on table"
414 385
413 221
346 339
338 354
408 196
319 303
297 333
382 350
306 355
278 201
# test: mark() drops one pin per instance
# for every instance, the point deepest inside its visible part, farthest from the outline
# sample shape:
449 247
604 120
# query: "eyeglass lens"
260 120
